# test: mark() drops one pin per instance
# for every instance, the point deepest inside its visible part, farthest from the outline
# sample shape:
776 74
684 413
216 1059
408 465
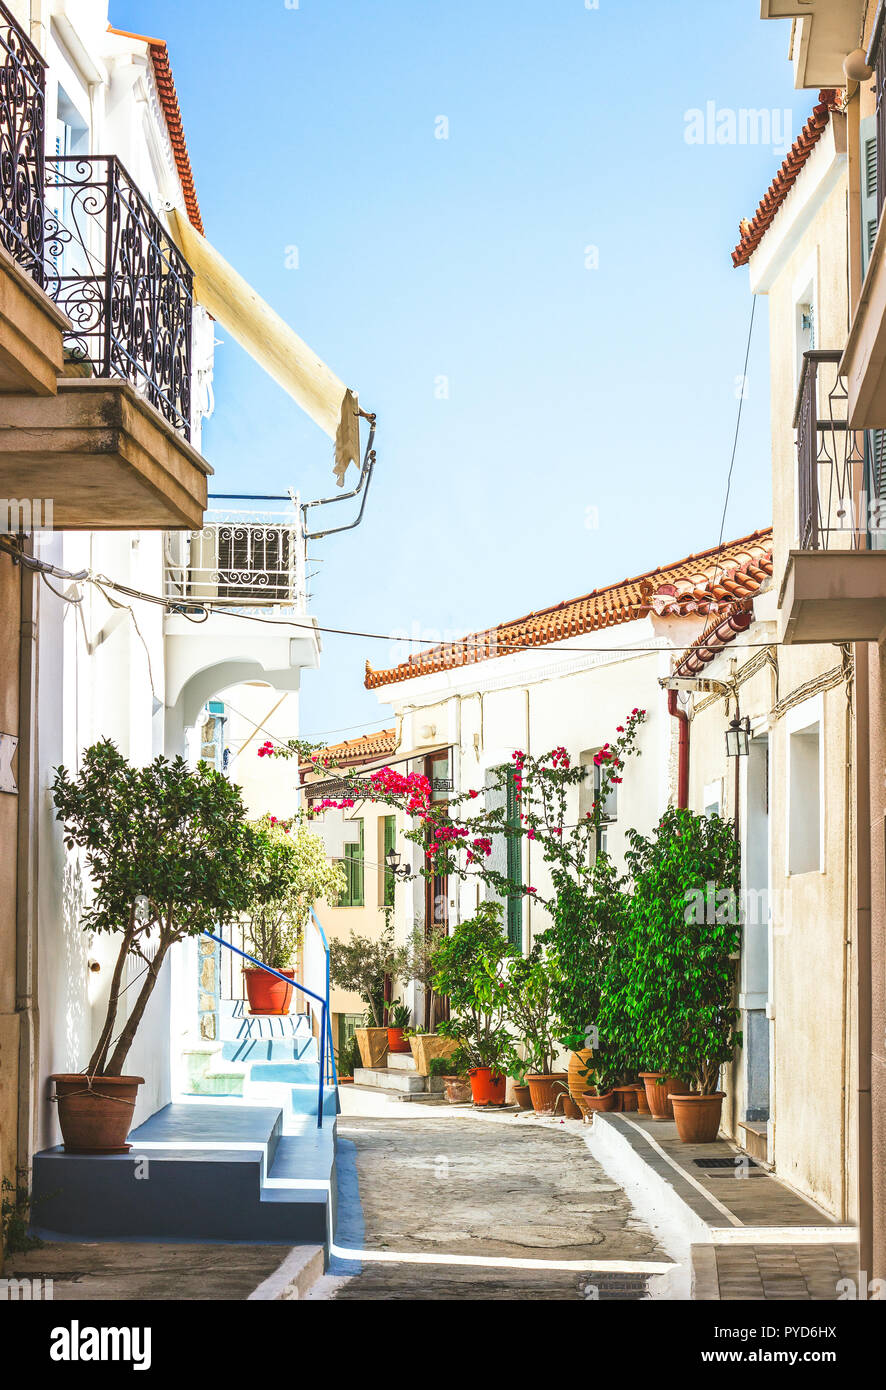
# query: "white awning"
273 344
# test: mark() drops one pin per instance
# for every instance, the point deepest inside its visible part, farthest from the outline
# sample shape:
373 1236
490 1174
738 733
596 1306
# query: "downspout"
26 879
864 972
679 714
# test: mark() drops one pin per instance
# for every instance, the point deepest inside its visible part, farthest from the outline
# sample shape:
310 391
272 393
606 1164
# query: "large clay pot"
396 1041
458 1089
697 1117
545 1089
579 1080
592 1102
642 1102
569 1108
659 1088
267 994
95 1115
373 1045
487 1086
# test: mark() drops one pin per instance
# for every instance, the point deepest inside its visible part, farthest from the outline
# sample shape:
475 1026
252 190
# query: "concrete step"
197 1171
389 1079
237 1024
292 1049
400 1061
291 1073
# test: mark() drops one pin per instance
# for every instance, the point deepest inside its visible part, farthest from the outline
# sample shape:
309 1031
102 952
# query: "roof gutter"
682 750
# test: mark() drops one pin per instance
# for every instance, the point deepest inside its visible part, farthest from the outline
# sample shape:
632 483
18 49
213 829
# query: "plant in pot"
398 1021
528 1004
444 1074
470 972
293 872
685 933
364 966
347 1059
170 854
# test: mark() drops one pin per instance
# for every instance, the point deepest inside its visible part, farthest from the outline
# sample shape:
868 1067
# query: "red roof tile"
753 232
171 110
355 750
717 635
710 582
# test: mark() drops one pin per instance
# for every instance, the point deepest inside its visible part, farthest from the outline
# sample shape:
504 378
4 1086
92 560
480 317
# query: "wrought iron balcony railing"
239 563
833 509
22 135
117 274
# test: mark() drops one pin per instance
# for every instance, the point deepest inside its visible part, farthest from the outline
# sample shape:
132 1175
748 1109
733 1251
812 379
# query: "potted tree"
470 971
170 854
428 1043
365 966
685 933
292 873
528 1009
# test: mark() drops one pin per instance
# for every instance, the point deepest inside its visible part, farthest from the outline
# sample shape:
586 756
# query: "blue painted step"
219 1171
296 1049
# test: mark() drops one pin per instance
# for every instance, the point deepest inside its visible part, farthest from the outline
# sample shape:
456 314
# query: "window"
588 796
507 850
389 839
352 862
804 799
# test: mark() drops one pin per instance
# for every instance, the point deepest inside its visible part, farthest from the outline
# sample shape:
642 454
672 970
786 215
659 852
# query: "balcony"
826 32
239 564
112 447
834 586
249 569
31 326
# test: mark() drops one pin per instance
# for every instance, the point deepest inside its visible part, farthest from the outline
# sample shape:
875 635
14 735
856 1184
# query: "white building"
566 675
117 197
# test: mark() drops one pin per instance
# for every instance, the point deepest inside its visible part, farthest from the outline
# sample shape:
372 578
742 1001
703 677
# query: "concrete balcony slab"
105 457
833 596
31 333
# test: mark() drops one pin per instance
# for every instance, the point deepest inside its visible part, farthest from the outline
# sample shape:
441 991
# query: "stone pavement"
450 1203
750 1236
142 1270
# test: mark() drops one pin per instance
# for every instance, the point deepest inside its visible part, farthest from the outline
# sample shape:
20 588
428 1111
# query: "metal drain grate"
739 1161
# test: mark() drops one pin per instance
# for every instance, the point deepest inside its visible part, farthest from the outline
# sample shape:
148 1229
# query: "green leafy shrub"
470 972
679 993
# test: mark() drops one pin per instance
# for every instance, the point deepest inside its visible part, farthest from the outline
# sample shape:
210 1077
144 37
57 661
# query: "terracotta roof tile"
717 635
171 110
709 582
354 750
753 231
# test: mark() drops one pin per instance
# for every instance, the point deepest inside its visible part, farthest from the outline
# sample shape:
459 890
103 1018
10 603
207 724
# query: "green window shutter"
869 155
515 866
390 833
353 864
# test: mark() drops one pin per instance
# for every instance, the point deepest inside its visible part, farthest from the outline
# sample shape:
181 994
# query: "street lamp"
738 738
392 860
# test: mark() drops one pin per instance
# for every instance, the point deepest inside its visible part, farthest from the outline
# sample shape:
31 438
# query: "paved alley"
432 1182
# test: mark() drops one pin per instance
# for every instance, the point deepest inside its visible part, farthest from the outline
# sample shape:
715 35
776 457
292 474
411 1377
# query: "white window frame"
802 717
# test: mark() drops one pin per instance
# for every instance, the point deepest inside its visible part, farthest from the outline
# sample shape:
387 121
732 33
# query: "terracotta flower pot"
458 1089
345 1081
95 1117
396 1041
592 1102
426 1046
698 1117
487 1087
579 1078
523 1097
570 1108
659 1088
642 1102
627 1097
544 1090
266 993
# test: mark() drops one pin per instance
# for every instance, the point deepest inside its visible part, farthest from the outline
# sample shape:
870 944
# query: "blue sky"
590 416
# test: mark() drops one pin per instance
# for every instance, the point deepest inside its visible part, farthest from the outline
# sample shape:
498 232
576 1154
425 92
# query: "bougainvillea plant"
458 841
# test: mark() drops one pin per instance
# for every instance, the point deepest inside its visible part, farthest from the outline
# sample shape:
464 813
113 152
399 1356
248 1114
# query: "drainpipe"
26 879
864 966
682 750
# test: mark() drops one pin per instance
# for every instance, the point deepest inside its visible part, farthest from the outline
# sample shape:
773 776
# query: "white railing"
239 562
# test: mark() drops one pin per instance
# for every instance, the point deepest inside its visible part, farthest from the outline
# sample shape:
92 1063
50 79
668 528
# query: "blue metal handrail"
319 925
324 1003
